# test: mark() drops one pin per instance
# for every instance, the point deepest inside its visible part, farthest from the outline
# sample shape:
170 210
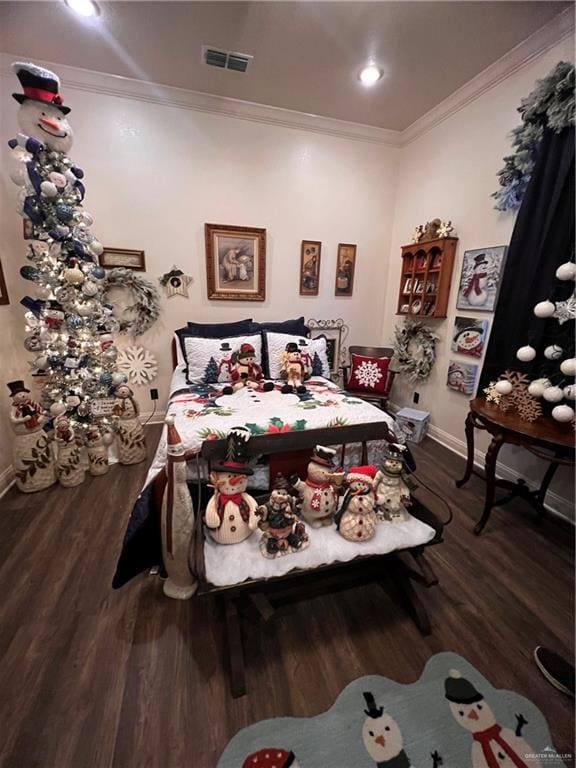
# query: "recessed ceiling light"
370 75
83 7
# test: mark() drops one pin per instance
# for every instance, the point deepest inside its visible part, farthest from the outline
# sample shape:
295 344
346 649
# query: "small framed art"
235 262
469 336
28 232
122 257
345 267
480 278
461 377
3 291
310 267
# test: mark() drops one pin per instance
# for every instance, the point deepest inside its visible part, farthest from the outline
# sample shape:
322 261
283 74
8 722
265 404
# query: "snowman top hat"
292 347
373 710
323 455
16 387
38 84
270 757
236 460
480 259
459 690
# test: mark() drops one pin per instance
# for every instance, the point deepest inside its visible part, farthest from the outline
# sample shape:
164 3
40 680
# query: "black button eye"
371 733
461 713
479 706
387 728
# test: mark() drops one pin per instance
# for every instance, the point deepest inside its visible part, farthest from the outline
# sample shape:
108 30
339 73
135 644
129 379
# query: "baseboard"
151 417
555 504
6 480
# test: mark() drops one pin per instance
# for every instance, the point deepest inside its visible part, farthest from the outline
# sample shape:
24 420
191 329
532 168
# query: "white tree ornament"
139 365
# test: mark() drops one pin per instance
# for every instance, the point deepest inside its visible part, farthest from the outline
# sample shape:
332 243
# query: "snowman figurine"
318 496
493 745
356 520
231 512
393 485
476 291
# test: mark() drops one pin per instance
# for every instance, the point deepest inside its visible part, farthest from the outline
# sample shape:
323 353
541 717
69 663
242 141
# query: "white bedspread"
234 563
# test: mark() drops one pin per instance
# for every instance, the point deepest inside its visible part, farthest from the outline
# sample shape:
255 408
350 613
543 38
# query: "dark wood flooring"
92 678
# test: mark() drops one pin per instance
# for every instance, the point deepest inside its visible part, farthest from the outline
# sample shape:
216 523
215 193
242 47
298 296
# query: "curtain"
543 238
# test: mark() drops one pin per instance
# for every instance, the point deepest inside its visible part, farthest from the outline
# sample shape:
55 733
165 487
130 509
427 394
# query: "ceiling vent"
216 57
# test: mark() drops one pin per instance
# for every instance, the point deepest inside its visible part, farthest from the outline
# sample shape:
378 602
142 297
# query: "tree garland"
145 310
414 351
550 105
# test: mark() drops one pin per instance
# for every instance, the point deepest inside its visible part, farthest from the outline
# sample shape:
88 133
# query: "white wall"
450 172
156 173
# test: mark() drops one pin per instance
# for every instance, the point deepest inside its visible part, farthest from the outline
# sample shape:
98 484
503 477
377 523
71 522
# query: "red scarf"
319 487
474 284
486 739
237 498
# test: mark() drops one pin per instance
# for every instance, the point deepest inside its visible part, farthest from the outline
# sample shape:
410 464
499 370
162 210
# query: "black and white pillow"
313 353
209 361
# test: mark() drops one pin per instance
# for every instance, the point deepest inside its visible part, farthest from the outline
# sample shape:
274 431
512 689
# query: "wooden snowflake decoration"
444 229
492 396
138 364
529 409
519 399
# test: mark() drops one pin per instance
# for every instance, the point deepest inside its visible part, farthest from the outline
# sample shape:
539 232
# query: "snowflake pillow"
209 361
369 374
313 353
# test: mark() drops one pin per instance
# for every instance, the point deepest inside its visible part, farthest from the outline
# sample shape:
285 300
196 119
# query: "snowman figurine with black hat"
292 369
393 484
318 494
231 512
476 291
494 746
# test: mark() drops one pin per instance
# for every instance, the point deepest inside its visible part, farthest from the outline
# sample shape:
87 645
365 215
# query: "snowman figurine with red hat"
356 519
231 513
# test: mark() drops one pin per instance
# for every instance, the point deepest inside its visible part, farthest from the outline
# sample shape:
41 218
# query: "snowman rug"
451 718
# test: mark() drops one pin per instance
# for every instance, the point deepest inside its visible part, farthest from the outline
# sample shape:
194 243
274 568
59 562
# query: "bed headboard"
174 353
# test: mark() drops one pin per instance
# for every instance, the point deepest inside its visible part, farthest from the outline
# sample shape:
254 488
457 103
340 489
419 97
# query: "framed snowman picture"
469 336
480 279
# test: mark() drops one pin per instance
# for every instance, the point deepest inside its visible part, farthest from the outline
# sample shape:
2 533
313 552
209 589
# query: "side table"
545 438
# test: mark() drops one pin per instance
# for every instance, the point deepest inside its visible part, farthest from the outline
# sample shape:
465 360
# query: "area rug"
451 718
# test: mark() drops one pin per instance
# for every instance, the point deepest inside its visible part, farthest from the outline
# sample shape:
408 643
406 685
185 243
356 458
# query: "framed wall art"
461 377
235 262
335 332
122 257
480 279
3 291
28 232
469 336
310 267
345 266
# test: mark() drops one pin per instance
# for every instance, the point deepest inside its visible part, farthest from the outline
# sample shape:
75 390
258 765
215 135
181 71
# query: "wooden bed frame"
263 596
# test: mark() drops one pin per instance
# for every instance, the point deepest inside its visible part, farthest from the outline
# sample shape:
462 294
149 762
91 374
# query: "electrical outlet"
153 394
416 398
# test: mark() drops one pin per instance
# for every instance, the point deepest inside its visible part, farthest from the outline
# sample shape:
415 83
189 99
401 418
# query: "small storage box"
413 423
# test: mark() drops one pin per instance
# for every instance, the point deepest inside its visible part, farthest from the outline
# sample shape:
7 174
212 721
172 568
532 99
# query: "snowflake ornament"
492 395
444 229
368 374
565 310
139 365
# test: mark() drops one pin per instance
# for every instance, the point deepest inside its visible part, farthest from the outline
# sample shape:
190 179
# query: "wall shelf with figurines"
427 266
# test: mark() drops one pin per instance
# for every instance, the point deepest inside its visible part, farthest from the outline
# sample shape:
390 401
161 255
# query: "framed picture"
461 377
3 292
407 285
335 332
480 279
469 336
28 230
235 262
310 267
122 257
345 266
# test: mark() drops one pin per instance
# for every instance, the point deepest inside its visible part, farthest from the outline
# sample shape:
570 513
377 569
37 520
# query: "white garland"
414 351
145 310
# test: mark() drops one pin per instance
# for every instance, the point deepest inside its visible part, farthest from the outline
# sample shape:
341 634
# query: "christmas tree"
211 372
69 324
317 369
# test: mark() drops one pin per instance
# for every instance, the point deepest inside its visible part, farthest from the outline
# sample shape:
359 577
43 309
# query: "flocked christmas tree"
69 323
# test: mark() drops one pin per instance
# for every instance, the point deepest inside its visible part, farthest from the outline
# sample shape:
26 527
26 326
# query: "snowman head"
231 483
42 114
380 733
467 704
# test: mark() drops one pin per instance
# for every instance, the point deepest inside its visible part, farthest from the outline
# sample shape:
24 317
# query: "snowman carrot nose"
51 123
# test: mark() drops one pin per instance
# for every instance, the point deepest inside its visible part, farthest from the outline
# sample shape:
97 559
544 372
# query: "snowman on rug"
318 496
231 513
271 757
494 746
356 520
476 292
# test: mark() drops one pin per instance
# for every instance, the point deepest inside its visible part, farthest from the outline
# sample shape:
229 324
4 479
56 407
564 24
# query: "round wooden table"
546 438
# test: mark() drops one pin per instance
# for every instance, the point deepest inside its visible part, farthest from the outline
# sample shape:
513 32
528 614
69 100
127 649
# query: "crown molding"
554 32
75 78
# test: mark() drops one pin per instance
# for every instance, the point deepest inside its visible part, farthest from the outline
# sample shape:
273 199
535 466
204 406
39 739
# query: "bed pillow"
220 330
275 344
368 374
209 361
296 327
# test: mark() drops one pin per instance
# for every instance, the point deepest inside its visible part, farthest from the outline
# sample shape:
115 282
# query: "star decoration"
444 229
418 232
175 283
565 310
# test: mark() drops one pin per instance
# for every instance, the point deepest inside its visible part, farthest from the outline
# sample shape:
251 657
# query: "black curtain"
543 238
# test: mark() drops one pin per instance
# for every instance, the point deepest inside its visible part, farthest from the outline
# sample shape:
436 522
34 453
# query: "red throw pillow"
369 374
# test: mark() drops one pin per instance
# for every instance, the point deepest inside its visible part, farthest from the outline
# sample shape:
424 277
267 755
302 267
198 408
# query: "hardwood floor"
92 678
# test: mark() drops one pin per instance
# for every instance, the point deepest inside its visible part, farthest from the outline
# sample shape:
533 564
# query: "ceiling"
307 55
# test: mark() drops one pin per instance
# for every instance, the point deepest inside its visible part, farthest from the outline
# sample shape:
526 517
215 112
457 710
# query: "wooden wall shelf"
426 278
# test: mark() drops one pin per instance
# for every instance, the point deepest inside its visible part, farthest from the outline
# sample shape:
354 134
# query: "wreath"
414 351
139 316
